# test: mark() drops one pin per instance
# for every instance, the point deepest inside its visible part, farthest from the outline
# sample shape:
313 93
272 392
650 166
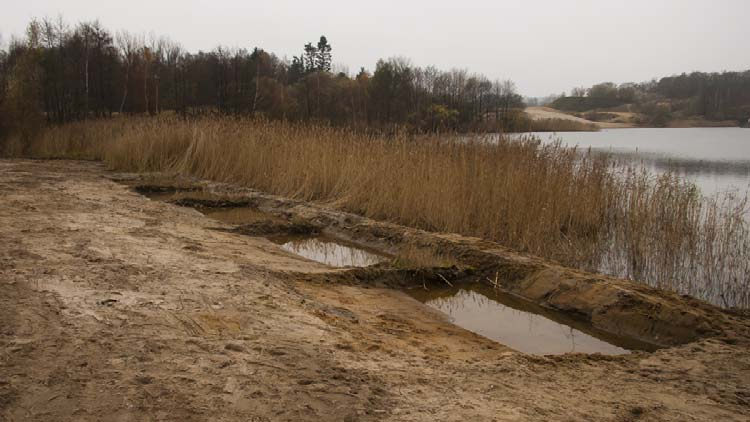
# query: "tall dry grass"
545 199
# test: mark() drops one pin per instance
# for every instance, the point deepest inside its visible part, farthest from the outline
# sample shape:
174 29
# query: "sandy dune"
538 113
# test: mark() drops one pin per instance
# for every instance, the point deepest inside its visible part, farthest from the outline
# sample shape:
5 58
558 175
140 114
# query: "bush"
584 103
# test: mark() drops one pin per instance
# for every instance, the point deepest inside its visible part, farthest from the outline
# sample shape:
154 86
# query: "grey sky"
544 46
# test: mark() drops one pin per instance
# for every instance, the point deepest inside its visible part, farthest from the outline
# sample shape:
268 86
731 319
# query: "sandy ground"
118 308
538 113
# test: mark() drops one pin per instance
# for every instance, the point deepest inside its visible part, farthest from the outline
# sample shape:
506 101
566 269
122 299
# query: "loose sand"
538 113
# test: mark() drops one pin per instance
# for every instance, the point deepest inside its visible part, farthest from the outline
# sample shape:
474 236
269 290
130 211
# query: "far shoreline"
542 113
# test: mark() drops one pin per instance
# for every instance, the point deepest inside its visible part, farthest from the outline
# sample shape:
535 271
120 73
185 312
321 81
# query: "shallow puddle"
520 325
330 252
229 214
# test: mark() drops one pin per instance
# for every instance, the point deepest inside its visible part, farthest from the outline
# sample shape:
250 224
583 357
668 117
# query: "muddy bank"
116 307
620 307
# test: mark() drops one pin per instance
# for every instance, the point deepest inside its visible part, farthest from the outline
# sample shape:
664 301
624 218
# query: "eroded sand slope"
115 307
540 113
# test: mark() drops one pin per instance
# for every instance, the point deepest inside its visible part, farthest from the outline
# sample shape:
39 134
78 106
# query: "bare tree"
159 51
578 92
128 45
88 34
173 61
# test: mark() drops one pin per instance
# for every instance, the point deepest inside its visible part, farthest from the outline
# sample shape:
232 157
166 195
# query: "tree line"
715 96
59 73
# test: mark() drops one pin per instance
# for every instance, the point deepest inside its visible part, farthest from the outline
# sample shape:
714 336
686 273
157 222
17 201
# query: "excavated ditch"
520 324
295 236
474 307
489 289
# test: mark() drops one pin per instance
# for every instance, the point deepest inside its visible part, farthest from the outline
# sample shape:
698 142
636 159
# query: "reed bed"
575 207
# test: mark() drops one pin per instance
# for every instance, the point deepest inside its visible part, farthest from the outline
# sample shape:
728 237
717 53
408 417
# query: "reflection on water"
709 263
689 167
330 252
520 325
715 159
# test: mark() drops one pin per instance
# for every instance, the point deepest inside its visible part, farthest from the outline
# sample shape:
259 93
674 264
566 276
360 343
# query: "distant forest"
713 96
60 73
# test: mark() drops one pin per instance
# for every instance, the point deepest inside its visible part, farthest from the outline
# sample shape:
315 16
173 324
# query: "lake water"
715 159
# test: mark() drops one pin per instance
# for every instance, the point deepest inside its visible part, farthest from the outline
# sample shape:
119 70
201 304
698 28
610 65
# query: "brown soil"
116 307
278 228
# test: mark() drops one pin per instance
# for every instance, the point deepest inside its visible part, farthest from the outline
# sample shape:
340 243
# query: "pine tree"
323 58
310 58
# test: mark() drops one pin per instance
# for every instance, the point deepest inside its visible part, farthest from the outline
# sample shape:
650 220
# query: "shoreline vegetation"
688 100
559 124
562 121
560 203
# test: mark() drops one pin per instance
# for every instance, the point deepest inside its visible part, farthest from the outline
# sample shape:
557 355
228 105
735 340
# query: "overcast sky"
545 46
